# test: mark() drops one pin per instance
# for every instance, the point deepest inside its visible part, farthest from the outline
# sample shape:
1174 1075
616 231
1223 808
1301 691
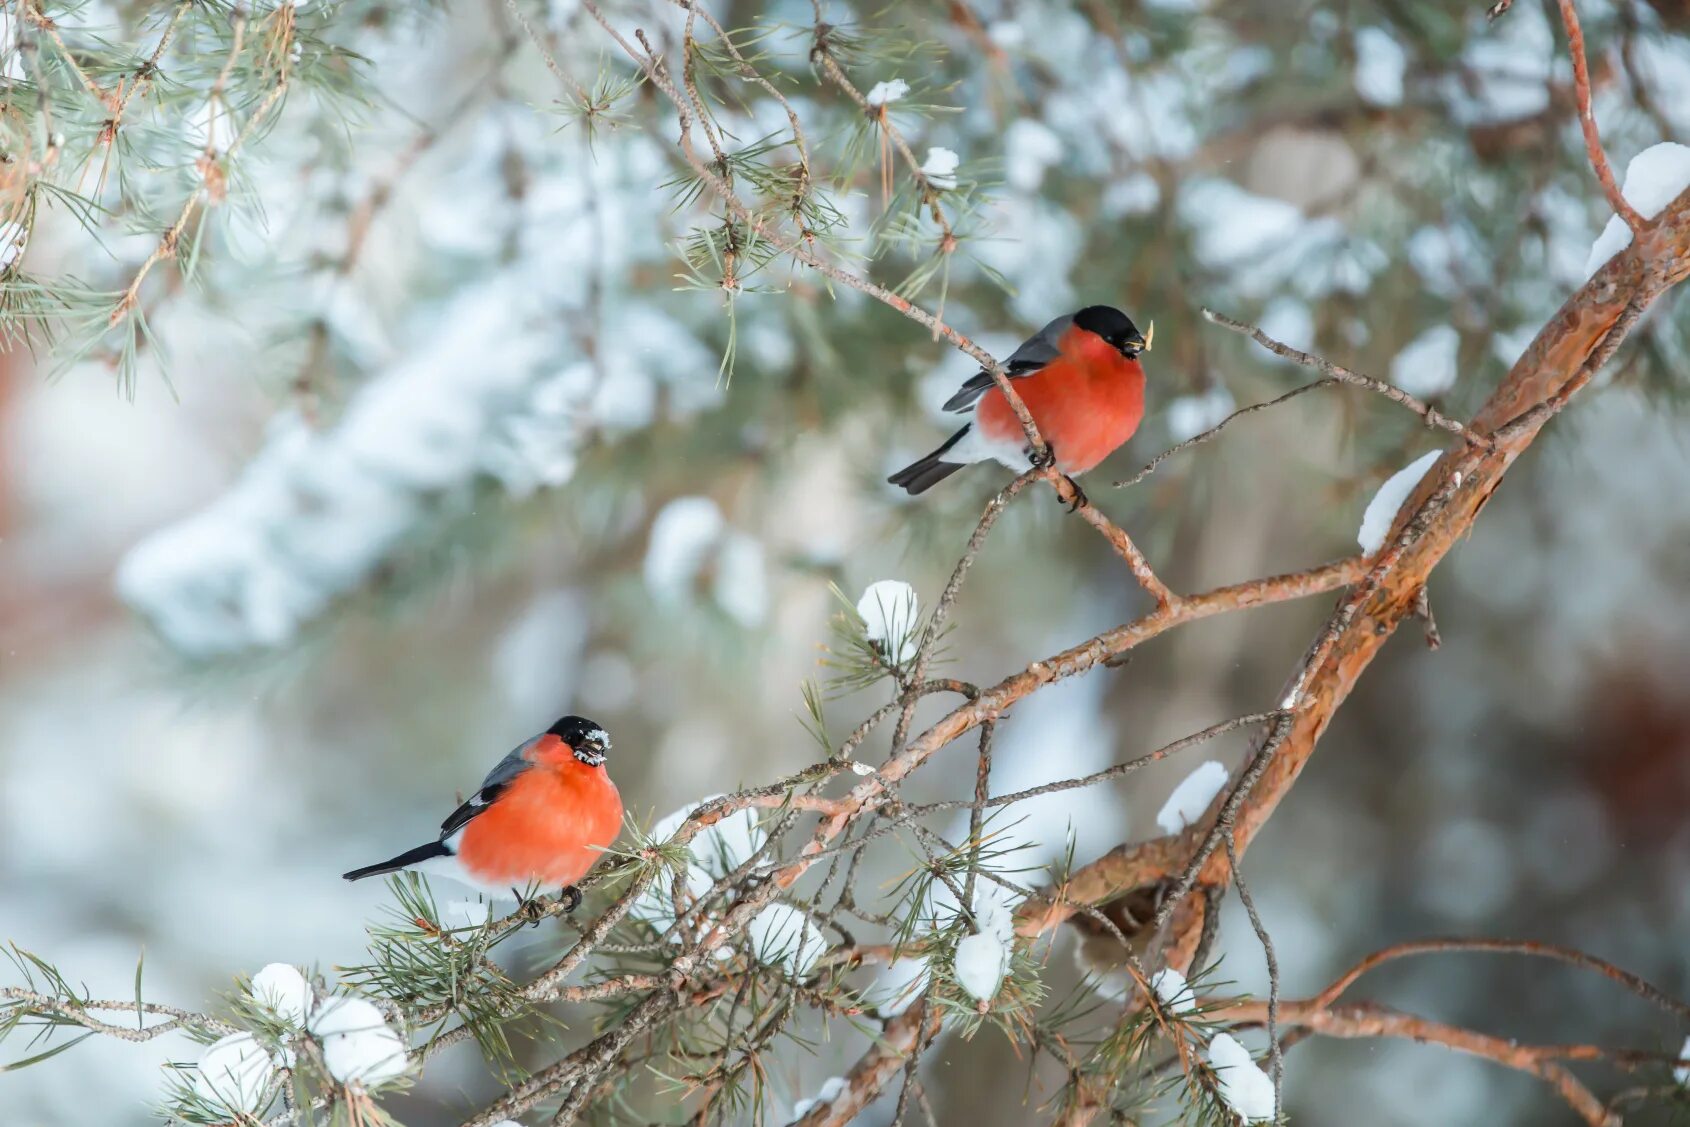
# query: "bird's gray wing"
492 786
1035 352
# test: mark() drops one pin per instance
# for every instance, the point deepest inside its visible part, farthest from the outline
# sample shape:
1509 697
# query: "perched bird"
1080 379
544 815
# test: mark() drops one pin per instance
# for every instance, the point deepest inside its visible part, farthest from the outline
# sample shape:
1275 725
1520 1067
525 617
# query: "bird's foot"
571 899
1041 459
1080 497
529 909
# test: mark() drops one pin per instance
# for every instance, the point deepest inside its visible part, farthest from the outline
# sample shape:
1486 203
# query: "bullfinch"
1080 379
543 816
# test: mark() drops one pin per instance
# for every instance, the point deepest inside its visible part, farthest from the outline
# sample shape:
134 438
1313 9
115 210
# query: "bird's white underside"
976 447
453 869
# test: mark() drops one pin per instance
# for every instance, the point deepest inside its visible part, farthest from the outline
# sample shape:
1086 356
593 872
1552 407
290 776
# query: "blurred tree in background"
386 380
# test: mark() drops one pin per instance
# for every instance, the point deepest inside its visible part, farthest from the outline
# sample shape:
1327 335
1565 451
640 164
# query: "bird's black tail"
920 476
404 860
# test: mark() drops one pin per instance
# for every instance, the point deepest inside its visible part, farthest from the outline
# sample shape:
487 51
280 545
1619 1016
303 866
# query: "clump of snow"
891 614
982 959
1653 179
358 1044
1382 510
234 1073
458 914
994 909
832 1088
1262 244
897 986
940 168
715 851
742 585
782 936
1231 224
1030 149
284 991
1381 63
682 536
885 93
1681 1073
1192 797
1427 364
317 511
980 962
690 533
1173 991
1244 1087
1505 74
1191 415
1136 194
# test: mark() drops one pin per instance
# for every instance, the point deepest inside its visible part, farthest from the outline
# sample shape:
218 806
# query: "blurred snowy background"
445 451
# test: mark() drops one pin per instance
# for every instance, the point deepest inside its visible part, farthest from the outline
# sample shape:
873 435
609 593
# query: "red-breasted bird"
1081 381
543 815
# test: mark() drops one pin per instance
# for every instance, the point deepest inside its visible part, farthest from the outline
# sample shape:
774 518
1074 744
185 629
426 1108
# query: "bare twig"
1433 416
1587 121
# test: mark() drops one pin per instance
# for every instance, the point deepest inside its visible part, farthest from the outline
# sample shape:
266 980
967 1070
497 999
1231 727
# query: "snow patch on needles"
1244 1087
832 1088
1681 1073
891 613
715 851
234 1072
1193 795
284 991
1653 179
782 936
1381 63
885 93
1427 364
1173 991
982 959
980 963
1382 510
358 1044
896 988
940 168
316 512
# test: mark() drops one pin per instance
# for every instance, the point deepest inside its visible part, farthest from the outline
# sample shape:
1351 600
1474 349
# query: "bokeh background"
436 444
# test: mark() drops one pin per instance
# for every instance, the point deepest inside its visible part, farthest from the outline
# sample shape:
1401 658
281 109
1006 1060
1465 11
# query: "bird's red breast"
1087 402
550 824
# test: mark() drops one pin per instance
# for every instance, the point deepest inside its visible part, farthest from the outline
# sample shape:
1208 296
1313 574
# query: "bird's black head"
1113 326
588 740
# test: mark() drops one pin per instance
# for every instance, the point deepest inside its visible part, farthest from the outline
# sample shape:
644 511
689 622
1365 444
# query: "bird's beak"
598 741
